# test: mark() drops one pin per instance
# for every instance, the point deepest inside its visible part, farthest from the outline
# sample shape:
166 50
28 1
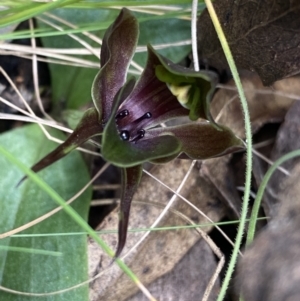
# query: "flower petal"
201 140
150 95
131 177
118 47
130 153
88 127
192 89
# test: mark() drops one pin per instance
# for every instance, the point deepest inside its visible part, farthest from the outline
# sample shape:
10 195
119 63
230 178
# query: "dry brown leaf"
162 250
266 105
287 140
188 279
270 268
276 248
263 36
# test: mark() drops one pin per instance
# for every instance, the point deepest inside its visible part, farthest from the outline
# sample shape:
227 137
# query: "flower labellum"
127 115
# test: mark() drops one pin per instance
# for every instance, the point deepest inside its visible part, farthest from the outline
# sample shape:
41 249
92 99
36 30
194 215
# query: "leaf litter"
263 36
218 177
276 248
267 106
161 251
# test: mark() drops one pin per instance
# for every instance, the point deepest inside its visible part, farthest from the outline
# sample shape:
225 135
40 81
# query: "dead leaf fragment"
270 268
266 105
188 279
264 37
162 250
287 140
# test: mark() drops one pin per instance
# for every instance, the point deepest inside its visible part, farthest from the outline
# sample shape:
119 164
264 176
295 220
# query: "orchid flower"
127 115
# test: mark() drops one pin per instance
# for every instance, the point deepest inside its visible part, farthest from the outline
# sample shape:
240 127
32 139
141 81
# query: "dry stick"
73 26
26 104
107 187
242 188
147 9
222 111
57 62
35 73
34 119
194 34
206 237
43 52
192 205
254 151
17 91
16 49
164 45
73 36
283 170
248 133
219 268
262 91
30 119
270 162
32 114
178 213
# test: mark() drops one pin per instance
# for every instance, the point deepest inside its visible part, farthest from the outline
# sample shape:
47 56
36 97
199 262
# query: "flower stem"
244 104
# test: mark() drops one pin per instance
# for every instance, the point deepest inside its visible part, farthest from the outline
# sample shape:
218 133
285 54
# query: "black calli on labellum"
127 115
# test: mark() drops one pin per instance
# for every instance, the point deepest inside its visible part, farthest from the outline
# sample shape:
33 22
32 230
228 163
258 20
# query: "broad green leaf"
38 273
164 31
29 10
72 117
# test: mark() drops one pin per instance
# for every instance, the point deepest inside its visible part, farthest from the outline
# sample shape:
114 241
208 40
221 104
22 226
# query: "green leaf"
164 31
39 273
72 117
193 89
29 10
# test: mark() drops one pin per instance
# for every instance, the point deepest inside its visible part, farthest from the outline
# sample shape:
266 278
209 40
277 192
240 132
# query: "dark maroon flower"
128 115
